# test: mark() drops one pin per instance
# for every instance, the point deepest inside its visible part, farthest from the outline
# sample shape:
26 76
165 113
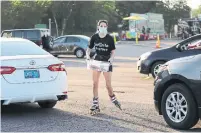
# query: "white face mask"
102 30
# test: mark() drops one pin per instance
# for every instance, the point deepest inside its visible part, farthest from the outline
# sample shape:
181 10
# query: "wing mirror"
51 41
178 47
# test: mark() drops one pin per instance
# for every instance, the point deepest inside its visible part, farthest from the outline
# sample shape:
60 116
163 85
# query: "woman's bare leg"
108 77
95 106
96 76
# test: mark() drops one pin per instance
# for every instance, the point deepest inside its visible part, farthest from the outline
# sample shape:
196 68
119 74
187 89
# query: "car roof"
26 29
2 39
80 36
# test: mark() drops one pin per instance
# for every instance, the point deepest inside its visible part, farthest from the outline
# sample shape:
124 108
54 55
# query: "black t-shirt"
103 46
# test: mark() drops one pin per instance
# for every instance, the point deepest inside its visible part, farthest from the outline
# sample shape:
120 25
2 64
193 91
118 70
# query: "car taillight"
57 67
6 70
65 92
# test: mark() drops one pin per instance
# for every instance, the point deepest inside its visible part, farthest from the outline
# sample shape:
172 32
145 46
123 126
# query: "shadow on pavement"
145 125
134 123
31 118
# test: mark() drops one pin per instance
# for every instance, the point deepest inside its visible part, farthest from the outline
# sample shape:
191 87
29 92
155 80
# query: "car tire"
55 55
80 53
47 104
155 66
190 118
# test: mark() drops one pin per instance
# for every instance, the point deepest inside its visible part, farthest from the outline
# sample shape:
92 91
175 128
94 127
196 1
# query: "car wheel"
47 104
80 53
179 108
155 68
55 55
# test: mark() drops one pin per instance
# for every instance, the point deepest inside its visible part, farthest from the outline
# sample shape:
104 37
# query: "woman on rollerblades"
105 50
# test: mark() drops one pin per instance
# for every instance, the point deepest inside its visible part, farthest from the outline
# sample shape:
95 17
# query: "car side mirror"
178 47
51 41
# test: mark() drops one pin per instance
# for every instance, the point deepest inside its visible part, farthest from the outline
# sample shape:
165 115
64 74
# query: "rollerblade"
95 107
115 102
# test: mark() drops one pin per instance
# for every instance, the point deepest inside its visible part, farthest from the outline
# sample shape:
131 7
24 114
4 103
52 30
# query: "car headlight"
145 55
163 67
163 71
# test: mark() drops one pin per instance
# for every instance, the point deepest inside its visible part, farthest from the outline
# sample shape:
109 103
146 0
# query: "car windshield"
194 42
11 48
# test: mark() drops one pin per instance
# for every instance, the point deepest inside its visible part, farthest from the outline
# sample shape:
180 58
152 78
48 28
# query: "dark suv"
177 92
34 35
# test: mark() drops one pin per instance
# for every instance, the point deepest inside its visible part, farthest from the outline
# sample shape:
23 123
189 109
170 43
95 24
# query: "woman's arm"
112 56
91 45
88 53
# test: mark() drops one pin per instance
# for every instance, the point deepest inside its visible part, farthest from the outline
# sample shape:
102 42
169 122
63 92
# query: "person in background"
46 42
143 32
148 32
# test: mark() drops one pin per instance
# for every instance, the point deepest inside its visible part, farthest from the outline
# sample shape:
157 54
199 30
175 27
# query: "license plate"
31 74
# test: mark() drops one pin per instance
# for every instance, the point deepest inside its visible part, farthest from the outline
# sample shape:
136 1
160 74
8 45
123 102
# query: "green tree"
172 11
61 12
22 14
196 12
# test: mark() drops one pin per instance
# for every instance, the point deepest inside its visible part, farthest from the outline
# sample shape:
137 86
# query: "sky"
194 3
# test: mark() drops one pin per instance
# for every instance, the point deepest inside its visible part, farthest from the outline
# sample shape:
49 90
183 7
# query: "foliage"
80 17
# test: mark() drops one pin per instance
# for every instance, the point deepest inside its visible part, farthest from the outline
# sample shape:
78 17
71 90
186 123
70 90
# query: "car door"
71 44
57 45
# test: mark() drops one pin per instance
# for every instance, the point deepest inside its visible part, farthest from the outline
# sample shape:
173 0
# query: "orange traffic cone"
158 42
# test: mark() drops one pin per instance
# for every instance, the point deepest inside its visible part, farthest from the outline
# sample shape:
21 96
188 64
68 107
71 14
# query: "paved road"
133 90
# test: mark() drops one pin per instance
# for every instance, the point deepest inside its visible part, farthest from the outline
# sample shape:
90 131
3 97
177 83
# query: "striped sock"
95 101
113 98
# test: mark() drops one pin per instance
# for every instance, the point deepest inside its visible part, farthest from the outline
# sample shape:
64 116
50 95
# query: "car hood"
180 60
161 50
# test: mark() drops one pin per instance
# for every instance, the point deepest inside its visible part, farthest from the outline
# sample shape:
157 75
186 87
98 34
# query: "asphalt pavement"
134 91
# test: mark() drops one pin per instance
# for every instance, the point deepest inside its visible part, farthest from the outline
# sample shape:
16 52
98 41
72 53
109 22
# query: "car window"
86 38
12 48
194 41
18 34
72 39
60 40
7 34
32 34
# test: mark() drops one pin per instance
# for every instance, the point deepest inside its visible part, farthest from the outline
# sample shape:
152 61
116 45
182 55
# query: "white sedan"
30 74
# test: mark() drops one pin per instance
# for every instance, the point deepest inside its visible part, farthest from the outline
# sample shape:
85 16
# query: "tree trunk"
55 21
63 26
65 21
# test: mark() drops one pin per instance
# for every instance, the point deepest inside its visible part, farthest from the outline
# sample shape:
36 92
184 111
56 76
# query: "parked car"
34 35
30 74
71 45
177 92
151 61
